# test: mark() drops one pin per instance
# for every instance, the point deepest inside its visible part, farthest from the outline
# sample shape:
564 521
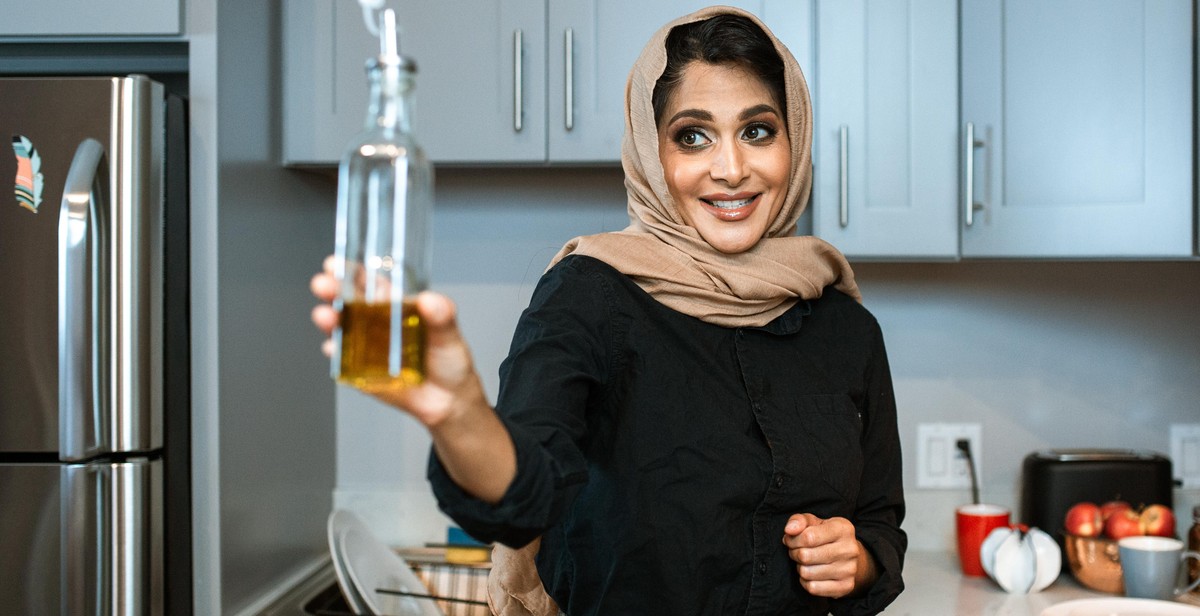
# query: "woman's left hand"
830 560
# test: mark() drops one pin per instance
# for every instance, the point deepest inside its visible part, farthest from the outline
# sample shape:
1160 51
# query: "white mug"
1152 566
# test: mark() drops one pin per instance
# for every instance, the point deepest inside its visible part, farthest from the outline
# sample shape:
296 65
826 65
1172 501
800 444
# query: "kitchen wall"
263 444
1042 354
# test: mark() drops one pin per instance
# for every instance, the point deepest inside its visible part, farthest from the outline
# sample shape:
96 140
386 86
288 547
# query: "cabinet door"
593 45
886 106
93 18
481 86
480 81
1082 119
325 46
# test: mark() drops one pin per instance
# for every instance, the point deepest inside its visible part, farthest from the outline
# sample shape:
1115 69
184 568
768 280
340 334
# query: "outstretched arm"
472 443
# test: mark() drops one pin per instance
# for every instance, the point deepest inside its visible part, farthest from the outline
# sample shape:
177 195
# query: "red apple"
1123 524
1084 519
1113 506
1158 520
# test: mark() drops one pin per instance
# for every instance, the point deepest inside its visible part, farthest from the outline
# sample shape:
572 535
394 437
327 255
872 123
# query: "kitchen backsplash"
1041 354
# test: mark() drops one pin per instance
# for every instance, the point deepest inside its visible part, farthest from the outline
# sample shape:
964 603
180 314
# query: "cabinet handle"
518 81
844 176
569 63
969 203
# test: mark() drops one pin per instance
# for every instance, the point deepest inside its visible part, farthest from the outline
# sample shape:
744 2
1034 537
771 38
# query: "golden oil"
369 358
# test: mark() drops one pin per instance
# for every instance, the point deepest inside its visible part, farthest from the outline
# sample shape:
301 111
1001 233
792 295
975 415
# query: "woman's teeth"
730 205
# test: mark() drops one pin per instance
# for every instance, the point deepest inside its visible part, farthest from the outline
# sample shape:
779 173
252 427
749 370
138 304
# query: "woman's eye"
758 132
690 138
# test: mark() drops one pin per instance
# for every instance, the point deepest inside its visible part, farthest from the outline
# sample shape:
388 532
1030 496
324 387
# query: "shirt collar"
788 322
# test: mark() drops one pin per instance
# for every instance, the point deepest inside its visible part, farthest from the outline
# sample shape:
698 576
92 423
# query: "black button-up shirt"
660 456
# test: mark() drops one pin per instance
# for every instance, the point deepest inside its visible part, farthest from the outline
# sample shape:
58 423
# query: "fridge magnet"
28 184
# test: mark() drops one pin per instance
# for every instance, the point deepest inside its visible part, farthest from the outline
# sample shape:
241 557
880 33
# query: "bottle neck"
390 106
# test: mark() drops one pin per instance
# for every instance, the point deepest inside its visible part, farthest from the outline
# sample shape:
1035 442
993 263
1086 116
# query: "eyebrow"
692 113
755 110
705 116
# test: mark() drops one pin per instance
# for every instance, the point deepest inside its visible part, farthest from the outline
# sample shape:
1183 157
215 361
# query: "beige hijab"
670 260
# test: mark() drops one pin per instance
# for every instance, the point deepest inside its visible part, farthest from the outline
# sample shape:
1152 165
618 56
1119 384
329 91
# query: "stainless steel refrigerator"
94 481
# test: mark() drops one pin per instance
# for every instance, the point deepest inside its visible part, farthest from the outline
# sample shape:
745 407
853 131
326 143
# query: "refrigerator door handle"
83 304
112 529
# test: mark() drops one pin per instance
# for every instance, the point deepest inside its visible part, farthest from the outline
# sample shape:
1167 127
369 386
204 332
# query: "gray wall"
1042 354
263 402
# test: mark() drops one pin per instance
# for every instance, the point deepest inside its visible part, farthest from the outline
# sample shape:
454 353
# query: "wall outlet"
1185 454
940 464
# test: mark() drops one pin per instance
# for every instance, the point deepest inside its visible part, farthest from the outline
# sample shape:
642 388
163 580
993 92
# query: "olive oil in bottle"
370 365
385 201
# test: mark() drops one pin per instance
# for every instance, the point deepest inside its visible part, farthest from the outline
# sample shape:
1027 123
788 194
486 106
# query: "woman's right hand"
450 384
325 287
471 441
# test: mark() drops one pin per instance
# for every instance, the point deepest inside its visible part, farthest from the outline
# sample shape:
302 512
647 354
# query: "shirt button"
762 567
779 481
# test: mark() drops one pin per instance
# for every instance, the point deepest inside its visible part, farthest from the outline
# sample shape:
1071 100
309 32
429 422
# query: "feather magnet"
28 183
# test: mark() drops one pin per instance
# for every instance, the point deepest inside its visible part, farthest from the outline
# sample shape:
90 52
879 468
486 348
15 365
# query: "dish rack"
458 589
463 587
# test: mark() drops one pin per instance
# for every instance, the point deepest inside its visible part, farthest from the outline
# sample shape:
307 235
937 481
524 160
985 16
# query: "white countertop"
934 586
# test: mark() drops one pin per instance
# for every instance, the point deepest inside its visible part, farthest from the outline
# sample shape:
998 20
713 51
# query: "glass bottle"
385 202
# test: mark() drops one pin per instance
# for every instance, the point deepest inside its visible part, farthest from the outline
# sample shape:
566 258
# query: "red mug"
974 522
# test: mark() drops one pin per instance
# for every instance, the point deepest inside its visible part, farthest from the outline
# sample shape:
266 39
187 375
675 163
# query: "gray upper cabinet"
593 45
1080 111
518 82
480 86
886 132
1081 114
90 19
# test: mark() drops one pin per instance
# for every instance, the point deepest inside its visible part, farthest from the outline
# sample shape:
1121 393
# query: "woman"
696 414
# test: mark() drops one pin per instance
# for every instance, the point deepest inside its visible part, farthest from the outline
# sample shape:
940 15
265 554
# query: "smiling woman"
696 413
726 157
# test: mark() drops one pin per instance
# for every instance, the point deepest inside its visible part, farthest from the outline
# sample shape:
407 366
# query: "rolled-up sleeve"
549 381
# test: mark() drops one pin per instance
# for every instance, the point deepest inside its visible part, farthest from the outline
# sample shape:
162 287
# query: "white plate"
339 521
372 566
1120 606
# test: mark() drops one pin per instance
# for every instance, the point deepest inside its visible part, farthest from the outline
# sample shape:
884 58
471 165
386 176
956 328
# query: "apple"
1084 519
1158 520
1113 506
1123 524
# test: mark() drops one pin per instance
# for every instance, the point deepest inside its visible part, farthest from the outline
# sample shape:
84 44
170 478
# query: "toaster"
1054 480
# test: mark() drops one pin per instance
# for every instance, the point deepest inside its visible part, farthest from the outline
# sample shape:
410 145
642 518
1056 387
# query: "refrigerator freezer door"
47 120
112 538
30 538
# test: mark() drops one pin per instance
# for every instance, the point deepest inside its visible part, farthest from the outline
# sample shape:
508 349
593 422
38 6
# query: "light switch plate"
1185 454
940 464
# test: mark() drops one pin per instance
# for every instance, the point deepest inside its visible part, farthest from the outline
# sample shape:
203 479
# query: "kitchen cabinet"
465 83
90 19
886 129
519 82
1080 121
606 37
1077 128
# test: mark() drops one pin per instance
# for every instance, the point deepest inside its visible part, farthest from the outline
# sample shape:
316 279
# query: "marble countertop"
934 586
